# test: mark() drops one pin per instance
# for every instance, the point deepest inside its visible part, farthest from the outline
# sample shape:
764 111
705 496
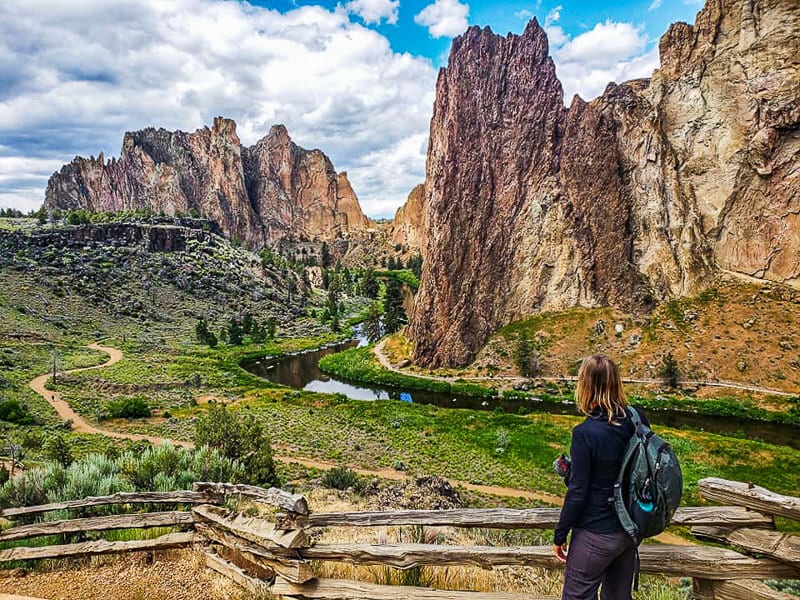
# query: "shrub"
238 437
128 408
163 468
341 478
13 411
58 449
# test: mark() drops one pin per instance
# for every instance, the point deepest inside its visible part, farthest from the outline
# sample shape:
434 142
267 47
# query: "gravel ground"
172 575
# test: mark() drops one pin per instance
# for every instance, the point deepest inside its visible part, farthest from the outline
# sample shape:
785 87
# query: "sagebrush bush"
341 478
163 468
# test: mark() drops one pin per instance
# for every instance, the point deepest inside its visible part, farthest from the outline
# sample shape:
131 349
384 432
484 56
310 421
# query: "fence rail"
275 554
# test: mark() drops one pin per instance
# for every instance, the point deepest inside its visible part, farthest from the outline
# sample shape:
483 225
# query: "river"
301 371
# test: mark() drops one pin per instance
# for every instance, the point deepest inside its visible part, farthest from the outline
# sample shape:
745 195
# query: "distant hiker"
600 551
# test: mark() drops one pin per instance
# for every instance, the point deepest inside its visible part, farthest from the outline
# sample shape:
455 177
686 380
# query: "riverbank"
371 365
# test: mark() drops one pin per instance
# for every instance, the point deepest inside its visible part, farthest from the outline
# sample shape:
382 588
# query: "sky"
355 78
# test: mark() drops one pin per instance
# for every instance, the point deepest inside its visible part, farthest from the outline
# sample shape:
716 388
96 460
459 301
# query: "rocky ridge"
641 195
408 223
259 194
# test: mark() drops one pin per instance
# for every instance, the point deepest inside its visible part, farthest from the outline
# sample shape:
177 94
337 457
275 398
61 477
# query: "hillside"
148 277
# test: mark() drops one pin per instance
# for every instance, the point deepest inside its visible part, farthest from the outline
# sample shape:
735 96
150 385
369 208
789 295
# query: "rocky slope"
259 194
638 196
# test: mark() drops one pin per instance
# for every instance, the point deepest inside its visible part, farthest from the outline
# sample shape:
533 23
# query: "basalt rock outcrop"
641 195
256 194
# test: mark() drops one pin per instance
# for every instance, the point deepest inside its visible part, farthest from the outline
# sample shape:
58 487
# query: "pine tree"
325 258
670 371
247 323
394 314
391 265
269 328
201 331
373 328
369 284
234 332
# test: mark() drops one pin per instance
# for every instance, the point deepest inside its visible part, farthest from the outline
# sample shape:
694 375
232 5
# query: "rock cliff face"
638 196
408 223
258 194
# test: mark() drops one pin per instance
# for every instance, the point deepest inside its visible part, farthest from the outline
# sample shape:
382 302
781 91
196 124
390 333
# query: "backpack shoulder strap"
635 418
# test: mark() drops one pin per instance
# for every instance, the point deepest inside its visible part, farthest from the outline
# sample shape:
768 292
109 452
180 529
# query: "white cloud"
553 16
655 4
77 75
525 14
444 18
610 51
374 11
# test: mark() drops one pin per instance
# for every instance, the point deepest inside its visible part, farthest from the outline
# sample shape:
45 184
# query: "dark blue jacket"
597 450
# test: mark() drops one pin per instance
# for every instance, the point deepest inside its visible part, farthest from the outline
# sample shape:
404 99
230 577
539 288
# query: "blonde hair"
600 386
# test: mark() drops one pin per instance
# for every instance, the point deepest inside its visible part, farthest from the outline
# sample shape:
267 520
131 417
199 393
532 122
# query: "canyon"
644 194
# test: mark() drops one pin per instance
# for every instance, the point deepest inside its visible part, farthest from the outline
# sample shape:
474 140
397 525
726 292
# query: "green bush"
128 408
341 478
13 411
238 437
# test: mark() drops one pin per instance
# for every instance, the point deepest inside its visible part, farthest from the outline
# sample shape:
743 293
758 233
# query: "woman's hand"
560 552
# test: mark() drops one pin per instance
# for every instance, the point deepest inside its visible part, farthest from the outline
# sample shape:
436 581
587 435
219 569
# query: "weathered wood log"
346 589
138 521
254 529
13 597
97 547
247 566
742 589
750 496
180 497
506 518
680 561
296 571
255 586
782 546
291 502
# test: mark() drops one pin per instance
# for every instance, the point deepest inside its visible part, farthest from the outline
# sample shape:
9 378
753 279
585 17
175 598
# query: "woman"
600 552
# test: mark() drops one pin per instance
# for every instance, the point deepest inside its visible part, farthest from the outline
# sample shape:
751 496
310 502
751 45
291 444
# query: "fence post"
704 589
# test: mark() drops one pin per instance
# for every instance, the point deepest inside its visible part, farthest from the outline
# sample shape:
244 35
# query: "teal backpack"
649 485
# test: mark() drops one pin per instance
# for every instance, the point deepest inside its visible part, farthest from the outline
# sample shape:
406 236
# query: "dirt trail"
78 424
377 350
65 411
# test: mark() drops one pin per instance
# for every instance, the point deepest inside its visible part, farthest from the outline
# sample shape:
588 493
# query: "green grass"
404 275
358 364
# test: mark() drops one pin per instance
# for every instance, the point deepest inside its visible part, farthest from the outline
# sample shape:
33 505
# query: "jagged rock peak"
409 220
641 195
258 194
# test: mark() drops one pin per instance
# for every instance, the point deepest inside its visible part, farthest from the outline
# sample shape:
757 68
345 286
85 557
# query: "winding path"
65 411
377 350
80 425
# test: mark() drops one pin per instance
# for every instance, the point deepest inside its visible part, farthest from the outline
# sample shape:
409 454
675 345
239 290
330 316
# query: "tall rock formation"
259 194
638 196
408 224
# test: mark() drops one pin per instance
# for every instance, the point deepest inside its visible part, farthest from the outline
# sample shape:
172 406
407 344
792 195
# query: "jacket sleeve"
578 489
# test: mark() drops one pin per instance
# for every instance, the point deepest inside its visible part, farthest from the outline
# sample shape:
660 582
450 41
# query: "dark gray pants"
599 558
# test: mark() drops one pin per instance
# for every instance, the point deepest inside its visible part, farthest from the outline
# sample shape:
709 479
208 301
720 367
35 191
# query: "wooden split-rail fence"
274 555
